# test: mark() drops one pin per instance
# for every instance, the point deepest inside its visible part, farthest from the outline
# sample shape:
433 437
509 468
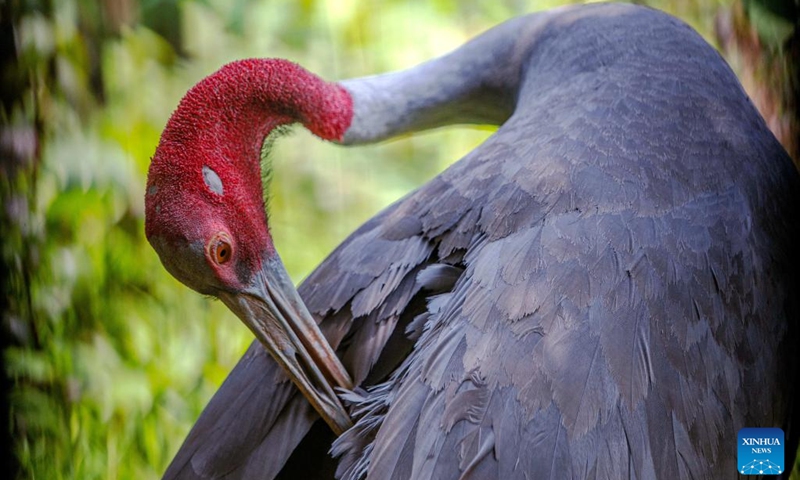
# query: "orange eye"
221 250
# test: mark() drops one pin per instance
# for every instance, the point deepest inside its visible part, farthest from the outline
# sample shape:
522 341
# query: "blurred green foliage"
112 359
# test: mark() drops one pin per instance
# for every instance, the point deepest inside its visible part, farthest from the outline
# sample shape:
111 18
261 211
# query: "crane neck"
478 83
248 98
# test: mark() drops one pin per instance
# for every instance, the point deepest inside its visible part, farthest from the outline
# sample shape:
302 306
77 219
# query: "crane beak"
274 311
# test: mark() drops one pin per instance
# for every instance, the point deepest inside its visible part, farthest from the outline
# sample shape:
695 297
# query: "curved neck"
476 84
223 120
256 95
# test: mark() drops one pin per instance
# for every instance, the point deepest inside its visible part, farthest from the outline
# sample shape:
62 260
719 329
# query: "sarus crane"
605 288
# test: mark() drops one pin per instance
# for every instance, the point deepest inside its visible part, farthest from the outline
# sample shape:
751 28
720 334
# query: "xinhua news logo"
760 451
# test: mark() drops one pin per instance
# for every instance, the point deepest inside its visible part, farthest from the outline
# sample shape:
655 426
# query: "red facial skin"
221 124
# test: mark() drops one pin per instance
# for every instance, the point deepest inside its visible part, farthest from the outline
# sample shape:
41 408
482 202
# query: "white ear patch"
213 182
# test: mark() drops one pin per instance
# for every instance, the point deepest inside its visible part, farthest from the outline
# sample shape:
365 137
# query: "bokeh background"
107 359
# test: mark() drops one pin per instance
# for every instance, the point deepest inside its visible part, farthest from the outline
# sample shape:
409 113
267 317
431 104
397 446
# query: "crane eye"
220 248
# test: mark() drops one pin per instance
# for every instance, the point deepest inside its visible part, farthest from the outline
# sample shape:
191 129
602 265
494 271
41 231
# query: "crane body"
605 288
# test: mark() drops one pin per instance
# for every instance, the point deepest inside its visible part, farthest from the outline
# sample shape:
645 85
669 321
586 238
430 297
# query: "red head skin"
221 124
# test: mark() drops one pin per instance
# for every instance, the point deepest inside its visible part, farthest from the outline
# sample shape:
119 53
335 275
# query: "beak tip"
275 313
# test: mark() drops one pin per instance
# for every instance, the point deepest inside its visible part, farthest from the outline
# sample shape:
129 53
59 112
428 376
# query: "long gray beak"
273 310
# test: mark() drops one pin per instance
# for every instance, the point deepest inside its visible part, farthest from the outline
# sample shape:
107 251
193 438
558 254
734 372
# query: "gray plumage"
606 288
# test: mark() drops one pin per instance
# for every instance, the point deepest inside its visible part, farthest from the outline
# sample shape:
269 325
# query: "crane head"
205 213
